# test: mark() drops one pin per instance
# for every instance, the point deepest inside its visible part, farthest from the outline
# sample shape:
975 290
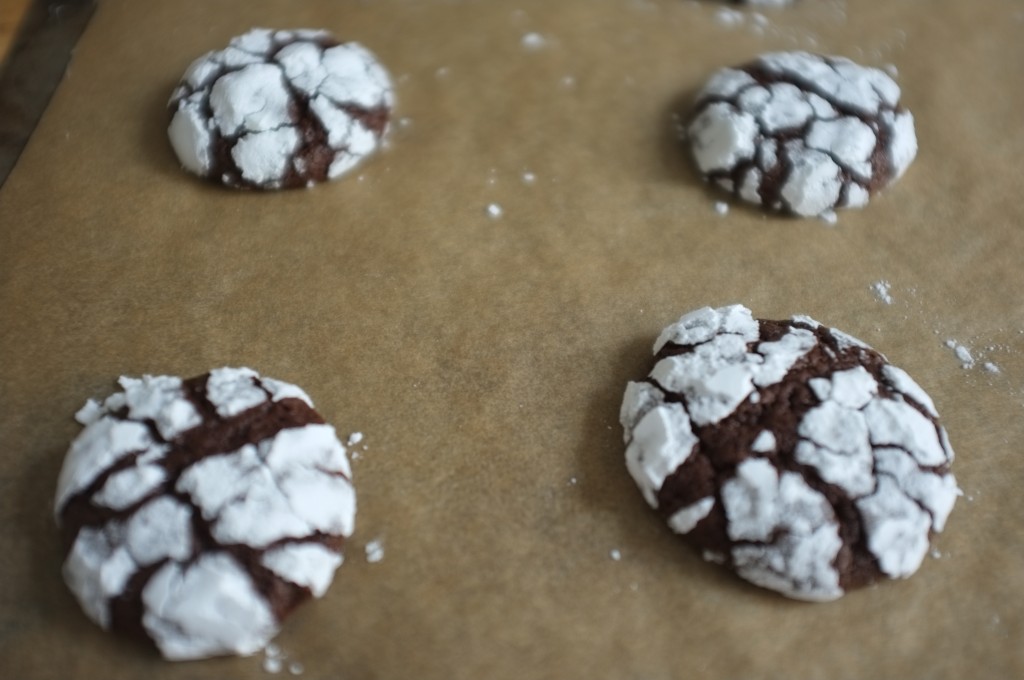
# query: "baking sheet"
484 359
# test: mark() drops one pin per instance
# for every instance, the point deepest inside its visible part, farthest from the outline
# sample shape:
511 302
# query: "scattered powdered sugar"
529 178
729 18
758 24
721 207
678 126
615 554
829 217
494 211
881 290
374 551
991 367
354 438
962 353
533 41
274 661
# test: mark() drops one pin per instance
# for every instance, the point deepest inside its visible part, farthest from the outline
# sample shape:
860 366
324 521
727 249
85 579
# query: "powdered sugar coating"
761 504
205 609
802 133
216 541
721 372
773 445
280 109
306 564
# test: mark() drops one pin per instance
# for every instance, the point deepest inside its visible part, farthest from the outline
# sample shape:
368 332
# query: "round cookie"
789 452
802 133
199 513
279 109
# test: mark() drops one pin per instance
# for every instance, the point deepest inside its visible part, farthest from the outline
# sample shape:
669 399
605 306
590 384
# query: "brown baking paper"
484 359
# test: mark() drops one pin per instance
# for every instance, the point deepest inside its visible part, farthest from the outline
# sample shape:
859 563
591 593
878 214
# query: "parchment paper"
484 359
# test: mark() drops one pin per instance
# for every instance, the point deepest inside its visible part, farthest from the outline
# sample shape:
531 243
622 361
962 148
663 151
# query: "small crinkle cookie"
802 133
790 452
279 109
200 512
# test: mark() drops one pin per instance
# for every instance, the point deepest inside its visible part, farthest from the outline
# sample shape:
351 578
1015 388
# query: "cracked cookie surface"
280 109
802 133
789 452
199 513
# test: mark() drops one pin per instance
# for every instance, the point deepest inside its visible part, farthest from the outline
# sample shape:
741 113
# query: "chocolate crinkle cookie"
279 109
802 133
789 452
199 513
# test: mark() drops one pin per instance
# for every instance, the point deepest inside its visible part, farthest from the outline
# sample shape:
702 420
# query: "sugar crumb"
529 178
829 217
962 353
722 208
881 290
374 551
494 210
534 41
991 367
615 555
355 438
679 127
729 18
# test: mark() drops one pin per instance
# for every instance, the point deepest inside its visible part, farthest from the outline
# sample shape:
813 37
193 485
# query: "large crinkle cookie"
790 452
200 512
279 109
802 133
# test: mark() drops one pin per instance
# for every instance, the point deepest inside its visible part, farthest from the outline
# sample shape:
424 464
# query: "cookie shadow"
606 487
675 162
